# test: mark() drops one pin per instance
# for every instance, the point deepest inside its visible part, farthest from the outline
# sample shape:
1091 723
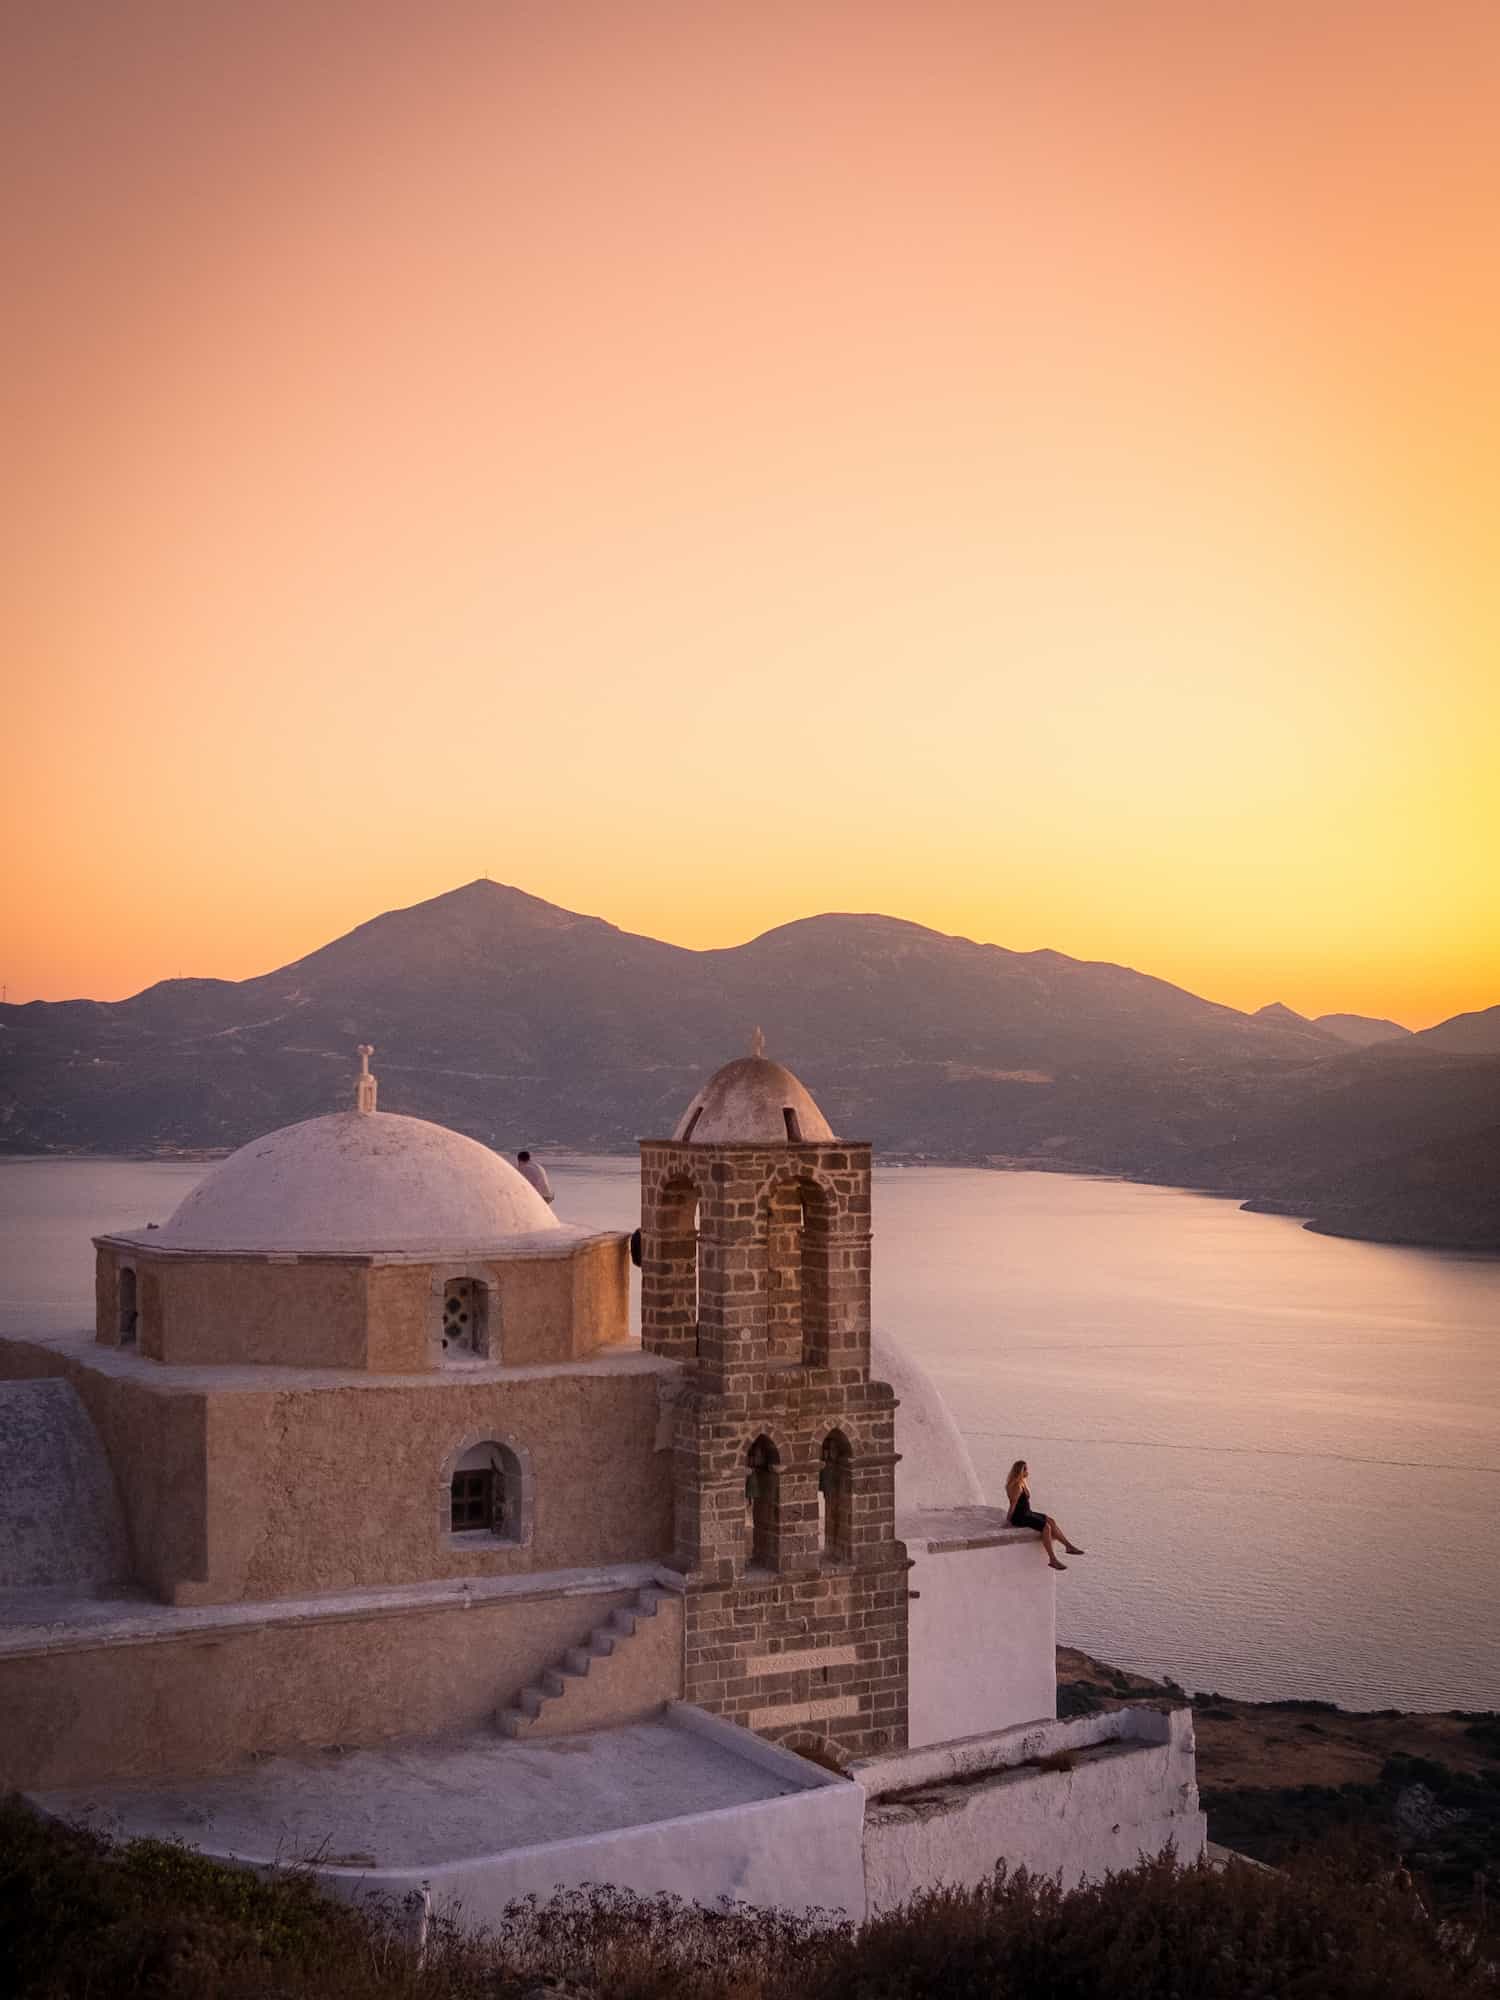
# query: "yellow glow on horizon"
1036 473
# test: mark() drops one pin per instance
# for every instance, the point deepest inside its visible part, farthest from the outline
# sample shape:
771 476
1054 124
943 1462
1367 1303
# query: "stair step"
574 1664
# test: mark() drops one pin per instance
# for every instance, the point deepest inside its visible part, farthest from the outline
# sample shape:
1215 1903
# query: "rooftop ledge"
82 1349
942 1530
533 1244
68 1618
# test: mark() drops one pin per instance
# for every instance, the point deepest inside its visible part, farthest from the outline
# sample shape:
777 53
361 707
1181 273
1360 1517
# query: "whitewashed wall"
983 1630
1131 1791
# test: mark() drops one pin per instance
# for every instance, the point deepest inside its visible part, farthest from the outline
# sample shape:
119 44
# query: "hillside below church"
522 1023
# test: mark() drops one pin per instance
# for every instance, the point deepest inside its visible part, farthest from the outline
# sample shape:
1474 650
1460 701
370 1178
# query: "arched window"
836 1497
485 1497
763 1501
129 1314
669 1273
798 1245
464 1327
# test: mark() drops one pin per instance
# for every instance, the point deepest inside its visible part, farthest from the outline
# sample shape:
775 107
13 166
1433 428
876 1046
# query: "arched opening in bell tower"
763 1501
836 1498
799 1220
676 1262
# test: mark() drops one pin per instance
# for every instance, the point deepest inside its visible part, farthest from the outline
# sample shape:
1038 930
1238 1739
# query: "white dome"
936 1469
357 1181
747 1102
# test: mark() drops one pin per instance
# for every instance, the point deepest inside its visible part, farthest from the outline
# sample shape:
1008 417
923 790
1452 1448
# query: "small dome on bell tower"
753 1101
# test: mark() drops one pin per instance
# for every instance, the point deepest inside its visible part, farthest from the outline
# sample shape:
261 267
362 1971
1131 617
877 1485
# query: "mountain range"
522 1023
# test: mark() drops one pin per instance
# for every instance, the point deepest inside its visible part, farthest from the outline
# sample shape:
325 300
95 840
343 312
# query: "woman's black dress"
1024 1515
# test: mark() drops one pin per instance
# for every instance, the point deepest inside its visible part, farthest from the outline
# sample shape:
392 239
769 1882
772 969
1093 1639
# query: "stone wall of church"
348 1488
198 1309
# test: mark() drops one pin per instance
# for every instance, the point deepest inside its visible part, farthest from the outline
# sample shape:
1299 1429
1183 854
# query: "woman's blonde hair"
1015 1472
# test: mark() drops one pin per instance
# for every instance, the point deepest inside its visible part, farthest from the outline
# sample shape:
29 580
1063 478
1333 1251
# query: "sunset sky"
1029 466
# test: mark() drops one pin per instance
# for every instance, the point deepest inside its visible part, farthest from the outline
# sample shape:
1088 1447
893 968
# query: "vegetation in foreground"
79 1917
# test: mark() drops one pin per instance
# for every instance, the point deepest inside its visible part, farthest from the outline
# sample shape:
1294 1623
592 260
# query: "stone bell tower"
755 1270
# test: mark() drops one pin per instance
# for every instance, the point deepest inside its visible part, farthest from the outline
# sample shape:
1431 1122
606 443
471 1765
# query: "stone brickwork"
756 1276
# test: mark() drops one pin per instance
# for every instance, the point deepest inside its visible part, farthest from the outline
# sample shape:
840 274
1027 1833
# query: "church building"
360 1527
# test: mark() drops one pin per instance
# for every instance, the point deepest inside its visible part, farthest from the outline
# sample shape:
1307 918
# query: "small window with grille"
465 1325
475 1497
486 1495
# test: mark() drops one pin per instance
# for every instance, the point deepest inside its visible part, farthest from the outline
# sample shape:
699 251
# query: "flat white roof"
421 1804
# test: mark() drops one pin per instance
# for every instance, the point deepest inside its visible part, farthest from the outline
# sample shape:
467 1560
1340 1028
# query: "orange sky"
1031 466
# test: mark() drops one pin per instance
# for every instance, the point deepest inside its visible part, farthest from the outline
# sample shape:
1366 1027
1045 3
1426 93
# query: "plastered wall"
235 1493
361 1312
982 1635
204 1701
347 1488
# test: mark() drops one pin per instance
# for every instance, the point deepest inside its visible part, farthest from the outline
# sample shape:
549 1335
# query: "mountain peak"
1362 1031
1277 1010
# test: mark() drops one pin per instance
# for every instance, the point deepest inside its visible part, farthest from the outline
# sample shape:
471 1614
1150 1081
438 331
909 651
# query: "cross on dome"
365 1085
757 1043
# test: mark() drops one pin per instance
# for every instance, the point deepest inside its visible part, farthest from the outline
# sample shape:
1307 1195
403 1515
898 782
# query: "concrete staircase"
590 1683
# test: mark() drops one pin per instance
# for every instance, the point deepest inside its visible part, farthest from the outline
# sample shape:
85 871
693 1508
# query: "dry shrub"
80 1918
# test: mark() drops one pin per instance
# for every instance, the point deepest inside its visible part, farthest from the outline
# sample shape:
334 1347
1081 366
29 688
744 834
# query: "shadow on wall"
60 1518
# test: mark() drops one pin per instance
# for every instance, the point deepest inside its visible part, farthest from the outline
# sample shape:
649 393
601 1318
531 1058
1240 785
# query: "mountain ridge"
523 1023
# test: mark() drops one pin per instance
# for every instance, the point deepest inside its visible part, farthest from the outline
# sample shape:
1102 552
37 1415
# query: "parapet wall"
1079 1800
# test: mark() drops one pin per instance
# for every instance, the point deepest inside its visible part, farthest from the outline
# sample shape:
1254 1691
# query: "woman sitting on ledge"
1024 1515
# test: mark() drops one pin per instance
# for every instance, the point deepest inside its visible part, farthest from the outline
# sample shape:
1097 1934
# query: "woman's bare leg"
1062 1535
1047 1545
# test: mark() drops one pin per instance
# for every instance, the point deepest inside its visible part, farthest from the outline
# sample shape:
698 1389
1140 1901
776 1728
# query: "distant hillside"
1362 1031
519 1023
1466 1034
1445 1193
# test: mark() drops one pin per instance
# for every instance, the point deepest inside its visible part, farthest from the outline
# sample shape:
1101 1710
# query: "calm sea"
1281 1451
